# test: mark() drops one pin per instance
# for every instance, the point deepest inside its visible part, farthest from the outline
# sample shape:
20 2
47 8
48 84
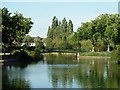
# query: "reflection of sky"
42 13
82 74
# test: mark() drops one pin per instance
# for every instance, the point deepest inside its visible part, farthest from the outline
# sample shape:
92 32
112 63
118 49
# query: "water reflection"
13 83
63 72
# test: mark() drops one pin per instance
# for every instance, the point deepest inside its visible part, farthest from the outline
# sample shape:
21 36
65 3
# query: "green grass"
106 54
5 53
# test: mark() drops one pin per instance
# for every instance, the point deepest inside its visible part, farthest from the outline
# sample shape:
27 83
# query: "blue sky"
42 13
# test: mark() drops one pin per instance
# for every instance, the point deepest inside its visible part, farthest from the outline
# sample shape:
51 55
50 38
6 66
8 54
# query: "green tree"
15 27
64 29
39 47
37 41
111 32
58 32
87 31
28 39
54 26
0 29
70 27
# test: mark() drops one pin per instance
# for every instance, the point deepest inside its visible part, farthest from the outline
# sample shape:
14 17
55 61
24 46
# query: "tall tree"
0 28
70 27
87 31
54 26
111 32
58 33
64 29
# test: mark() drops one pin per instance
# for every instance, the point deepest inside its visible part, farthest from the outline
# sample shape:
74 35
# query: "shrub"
24 55
115 55
28 55
86 45
17 52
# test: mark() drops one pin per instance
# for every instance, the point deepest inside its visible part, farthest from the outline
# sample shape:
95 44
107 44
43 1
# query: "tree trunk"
108 48
93 49
10 47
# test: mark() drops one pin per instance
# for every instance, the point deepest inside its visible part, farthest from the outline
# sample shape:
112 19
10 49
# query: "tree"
5 25
39 47
0 29
15 27
70 27
87 31
28 39
58 32
73 41
64 29
37 41
105 27
54 26
111 32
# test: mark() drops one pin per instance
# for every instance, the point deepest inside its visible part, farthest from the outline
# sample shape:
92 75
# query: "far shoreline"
95 57
13 59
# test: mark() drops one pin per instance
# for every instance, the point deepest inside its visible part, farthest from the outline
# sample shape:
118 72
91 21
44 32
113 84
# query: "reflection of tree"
96 78
13 83
112 80
54 80
61 77
17 83
60 59
20 65
87 75
119 76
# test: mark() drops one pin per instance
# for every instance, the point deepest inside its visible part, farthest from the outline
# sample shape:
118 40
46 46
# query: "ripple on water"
63 66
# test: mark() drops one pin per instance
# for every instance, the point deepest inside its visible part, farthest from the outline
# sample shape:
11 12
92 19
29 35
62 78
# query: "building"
32 43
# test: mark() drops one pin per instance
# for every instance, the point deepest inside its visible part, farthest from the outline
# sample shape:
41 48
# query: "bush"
115 55
86 45
17 52
27 55
118 47
24 55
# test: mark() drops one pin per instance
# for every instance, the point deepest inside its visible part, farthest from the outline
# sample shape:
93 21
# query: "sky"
41 13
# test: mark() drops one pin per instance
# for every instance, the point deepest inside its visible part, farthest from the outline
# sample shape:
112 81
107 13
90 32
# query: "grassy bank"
102 54
98 54
5 53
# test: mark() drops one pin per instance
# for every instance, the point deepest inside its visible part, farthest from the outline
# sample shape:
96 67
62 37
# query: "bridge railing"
66 49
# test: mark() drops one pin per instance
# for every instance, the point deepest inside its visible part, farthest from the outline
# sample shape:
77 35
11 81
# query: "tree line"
101 33
58 33
105 29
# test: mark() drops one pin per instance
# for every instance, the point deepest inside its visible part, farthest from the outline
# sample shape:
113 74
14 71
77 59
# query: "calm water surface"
62 72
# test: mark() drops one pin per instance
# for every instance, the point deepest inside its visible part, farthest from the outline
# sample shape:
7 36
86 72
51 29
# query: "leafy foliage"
58 33
105 28
14 27
28 39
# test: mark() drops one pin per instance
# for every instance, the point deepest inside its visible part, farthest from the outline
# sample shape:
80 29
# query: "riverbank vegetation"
27 55
99 35
15 28
102 33
103 54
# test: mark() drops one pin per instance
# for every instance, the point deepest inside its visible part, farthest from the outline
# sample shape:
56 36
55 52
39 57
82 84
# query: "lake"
62 71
